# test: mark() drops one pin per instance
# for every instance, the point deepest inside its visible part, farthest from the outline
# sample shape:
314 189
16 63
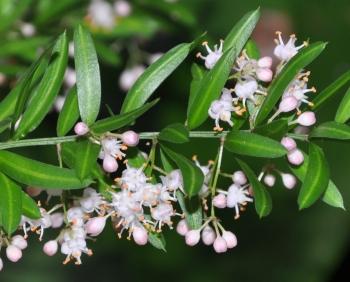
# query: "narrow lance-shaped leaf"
330 90
316 179
38 174
167 165
10 204
332 196
252 49
69 114
343 112
29 208
85 158
157 240
284 78
88 75
118 121
198 74
332 130
47 90
262 198
174 133
193 177
251 144
153 76
275 130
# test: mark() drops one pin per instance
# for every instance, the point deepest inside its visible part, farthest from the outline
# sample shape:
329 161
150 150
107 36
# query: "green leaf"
343 112
285 77
85 158
157 240
192 209
5 124
115 122
251 144
332 130
88 75
174 133
29 207
209 89
330 90
153 76
167 165
69 114
193 177
332 195
316 179
10 204
241 32
38 174
262 198
198 73
252 49
47 90
135 157
11 11
275 130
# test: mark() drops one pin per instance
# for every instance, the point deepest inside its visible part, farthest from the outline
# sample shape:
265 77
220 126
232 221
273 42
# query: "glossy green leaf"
209 89
332 130
85 158
192 176
240 33
115 122
167 164
251 144
284 78
174 133
69 114
192 209
252 49
153 76
88 75
326 94
343 112
157 240
198 73
275 130
332 196
10 204
135 157
47 90
38 174
5 124
316 179
29 207
262 198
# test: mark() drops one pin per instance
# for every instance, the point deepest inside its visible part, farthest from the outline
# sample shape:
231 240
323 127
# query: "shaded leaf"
275 130
252 49
198 74
157 240
332 130
174 133
192 209
29 207
343 112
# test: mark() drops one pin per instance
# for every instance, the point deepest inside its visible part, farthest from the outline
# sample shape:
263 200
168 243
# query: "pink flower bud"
264 74
220 245
230 238
140 236
192 237
269 180
110 164
33 191
265 62
130 138
239 178
295 157
220 201
1 264
19 242
182 227
208 235
288 104
81 128
307 119
57 219
13 253
122 8
288 143
288 180
95 225
50 248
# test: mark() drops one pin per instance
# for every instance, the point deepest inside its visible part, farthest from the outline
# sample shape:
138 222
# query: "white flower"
162 214
101 14
132 178
122 8
213 56
285 52
173 180
37 225
27 29
91 201
246 89
112 147
129 76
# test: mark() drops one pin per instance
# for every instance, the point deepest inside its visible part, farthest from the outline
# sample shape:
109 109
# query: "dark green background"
289 245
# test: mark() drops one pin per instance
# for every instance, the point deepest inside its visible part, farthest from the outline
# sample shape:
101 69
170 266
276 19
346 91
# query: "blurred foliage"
289 245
